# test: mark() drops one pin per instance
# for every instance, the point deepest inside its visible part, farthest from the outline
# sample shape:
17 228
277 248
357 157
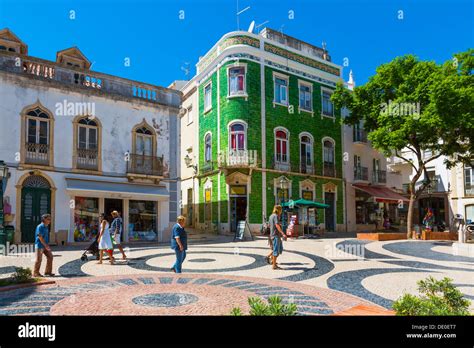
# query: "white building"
438 195
78 143
372 191
462 191
189 148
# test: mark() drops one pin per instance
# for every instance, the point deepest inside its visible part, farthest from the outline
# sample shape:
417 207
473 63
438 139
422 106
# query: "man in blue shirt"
179 242
42 247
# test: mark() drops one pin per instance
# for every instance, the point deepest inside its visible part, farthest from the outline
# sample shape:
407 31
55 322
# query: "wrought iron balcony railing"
145 165
361 173
37 153
379 176
87 159
207 167
329 169
359 136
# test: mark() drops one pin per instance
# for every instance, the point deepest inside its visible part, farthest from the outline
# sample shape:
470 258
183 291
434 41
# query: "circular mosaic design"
212 259
202 260
165 300
168 294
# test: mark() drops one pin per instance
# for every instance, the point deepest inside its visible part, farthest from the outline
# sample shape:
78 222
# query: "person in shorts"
276 236
116 229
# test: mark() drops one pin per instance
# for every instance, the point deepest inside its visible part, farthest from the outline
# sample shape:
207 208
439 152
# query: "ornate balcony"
306 169
238 159
361 174
280 163
379 176
207 167
37 153
329 169
145 165
87 159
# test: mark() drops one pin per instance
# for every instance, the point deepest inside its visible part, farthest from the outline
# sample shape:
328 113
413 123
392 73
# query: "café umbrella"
305 203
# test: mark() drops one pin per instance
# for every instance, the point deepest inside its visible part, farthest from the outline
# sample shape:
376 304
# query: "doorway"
35 201
329 215
238 206
109 206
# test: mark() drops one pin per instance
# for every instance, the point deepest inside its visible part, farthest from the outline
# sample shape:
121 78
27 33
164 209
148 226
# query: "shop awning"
381 194
99 188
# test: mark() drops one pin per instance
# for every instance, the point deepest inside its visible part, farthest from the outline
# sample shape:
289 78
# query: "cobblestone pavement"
322 276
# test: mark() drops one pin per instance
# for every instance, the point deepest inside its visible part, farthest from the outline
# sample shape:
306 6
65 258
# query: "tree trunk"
411 206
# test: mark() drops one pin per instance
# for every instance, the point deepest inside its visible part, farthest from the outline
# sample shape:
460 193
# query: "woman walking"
276 234
105 242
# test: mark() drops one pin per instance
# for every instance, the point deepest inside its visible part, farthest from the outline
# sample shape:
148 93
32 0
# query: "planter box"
381 236
430 235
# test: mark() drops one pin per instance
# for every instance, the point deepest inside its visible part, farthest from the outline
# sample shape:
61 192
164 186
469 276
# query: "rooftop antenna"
281 29
258 26
251 27
239 13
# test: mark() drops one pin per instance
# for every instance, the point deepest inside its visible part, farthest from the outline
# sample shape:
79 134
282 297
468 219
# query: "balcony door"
87 140
306 153
37 137
144 150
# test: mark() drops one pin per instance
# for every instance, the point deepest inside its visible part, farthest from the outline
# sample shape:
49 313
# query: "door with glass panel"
144 151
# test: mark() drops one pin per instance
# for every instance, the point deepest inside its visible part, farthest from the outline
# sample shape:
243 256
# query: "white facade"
361 161
126 166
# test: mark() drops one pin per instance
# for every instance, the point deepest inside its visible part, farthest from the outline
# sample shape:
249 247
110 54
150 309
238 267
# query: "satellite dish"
252 25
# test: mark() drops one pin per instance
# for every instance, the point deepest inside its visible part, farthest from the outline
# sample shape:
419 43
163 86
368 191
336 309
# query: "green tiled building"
266 130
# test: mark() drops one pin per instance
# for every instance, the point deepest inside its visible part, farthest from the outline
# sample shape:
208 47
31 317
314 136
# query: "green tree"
416 105
438 297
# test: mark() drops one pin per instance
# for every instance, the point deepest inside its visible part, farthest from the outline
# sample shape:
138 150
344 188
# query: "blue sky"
158 43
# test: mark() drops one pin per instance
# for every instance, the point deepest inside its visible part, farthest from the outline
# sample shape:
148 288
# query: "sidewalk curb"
26 285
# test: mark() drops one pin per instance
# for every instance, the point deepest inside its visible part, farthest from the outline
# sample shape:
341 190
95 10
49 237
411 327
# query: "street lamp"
189 161
3 185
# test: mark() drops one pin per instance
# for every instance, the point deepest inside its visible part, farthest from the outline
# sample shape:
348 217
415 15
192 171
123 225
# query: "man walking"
116 232
276 236
179 242
42 247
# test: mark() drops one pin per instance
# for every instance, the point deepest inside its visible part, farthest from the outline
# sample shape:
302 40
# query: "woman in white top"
105 242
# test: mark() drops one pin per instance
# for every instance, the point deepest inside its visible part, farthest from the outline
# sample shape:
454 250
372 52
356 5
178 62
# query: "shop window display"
143 220
86 218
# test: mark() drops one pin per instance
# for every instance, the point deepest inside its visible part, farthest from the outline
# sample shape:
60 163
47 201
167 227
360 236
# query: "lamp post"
3 185
188 161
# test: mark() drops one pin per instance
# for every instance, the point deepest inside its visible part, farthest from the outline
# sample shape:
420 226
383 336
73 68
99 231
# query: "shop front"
378 207
139 205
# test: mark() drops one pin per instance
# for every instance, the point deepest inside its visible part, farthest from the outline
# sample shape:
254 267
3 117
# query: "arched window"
328 157
37 136
208 148
237 137
306 154
87 149
281 145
